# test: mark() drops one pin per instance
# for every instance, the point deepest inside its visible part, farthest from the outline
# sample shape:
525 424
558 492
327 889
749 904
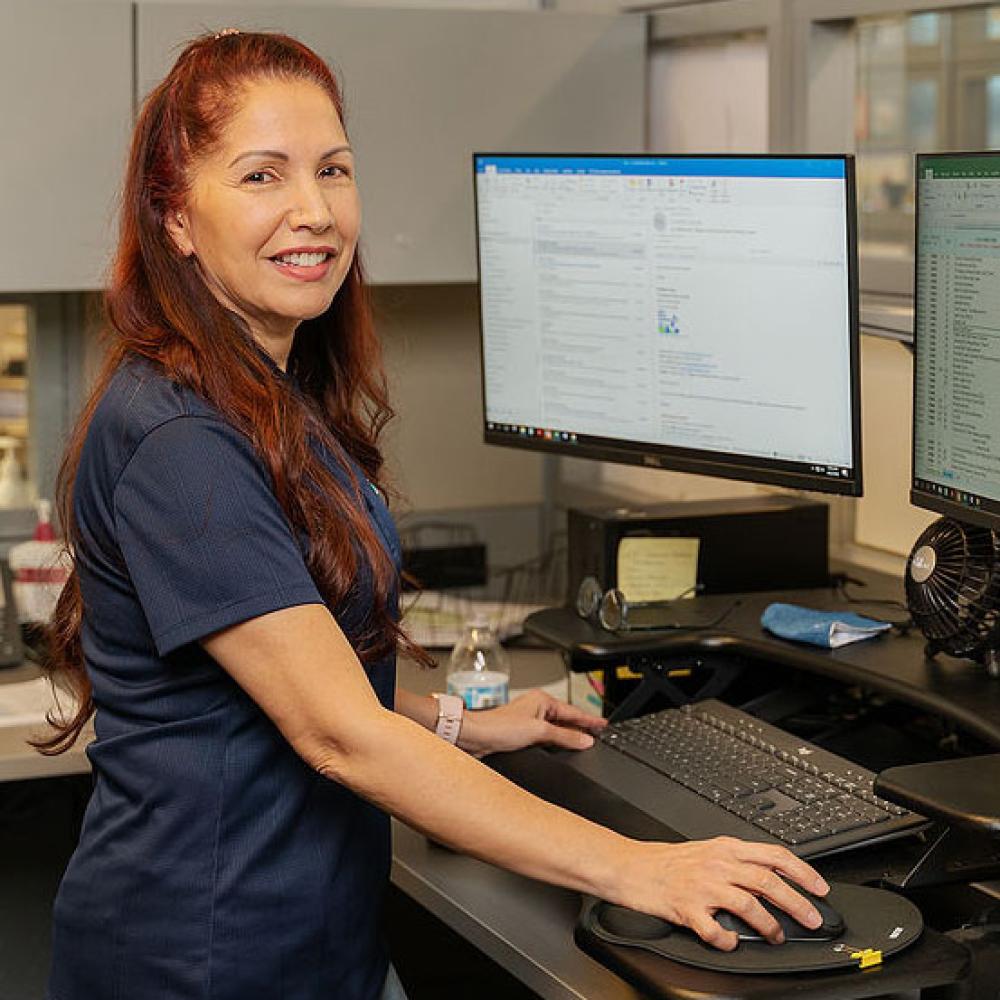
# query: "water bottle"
478 671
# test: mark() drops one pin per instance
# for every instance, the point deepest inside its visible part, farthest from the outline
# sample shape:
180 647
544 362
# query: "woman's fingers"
747 907
564 714
692 883
565 737
780 859
778 891
762 881
768 860
712 932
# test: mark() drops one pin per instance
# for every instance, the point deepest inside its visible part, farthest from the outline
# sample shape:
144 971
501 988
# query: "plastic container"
40 568
478 671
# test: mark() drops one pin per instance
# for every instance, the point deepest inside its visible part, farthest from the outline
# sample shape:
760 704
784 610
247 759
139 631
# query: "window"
925 81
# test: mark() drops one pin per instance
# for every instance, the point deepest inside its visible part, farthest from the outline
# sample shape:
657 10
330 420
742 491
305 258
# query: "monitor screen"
680 312
956 397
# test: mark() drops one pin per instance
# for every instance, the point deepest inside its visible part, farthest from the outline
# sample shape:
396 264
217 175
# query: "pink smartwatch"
451 708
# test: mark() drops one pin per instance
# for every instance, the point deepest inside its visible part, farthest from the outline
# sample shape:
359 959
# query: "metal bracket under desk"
658 679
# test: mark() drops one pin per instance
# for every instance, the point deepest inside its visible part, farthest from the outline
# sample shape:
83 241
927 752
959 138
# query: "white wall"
709 96
884 519
435 451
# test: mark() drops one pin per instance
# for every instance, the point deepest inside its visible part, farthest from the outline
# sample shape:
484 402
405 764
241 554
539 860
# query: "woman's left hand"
532 718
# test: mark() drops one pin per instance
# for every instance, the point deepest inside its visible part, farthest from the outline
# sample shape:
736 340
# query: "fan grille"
957 604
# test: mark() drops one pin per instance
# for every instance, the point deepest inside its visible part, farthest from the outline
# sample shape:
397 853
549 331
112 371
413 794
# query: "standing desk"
528 927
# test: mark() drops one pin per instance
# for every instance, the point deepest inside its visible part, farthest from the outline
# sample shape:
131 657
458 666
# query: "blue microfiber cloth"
828 629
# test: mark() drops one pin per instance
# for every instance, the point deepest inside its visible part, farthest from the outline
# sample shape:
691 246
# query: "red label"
34 574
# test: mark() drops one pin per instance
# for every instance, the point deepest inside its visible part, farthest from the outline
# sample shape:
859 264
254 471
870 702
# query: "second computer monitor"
956 405
691 313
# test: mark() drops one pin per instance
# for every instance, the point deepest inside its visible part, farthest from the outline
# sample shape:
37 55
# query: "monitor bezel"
920 497
672 458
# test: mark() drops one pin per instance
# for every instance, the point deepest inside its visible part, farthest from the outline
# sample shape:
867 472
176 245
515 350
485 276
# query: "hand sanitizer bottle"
40 569
478 671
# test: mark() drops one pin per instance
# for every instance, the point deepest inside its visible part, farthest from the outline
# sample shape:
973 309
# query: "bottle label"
477 694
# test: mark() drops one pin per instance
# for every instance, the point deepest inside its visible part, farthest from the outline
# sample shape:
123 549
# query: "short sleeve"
205 541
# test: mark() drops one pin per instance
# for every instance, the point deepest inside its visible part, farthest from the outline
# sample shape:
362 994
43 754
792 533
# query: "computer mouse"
626 923
832 926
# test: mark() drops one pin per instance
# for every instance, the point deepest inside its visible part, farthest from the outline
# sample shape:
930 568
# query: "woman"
232 610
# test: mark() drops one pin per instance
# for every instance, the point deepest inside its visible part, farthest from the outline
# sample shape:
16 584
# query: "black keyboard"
797 793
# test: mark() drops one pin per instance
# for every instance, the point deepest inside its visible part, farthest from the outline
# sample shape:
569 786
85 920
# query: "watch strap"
451 709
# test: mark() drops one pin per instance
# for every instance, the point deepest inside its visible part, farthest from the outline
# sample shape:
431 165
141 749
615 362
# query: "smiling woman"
274 230
232 613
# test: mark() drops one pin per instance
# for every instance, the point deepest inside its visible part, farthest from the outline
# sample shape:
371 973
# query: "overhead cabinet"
65 112
425 89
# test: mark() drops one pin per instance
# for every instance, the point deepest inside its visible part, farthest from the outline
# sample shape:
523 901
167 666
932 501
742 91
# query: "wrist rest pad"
874 919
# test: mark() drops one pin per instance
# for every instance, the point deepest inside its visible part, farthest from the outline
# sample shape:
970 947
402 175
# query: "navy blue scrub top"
214 864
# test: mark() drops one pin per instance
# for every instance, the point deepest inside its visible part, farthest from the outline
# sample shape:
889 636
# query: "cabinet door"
425 89
65 109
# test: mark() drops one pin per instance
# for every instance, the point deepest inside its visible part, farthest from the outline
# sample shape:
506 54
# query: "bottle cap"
43 529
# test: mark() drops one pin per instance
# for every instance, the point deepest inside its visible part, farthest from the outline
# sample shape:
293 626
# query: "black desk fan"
953 591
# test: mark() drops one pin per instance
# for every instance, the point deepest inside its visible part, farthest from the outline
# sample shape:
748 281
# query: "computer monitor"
956 389
697 313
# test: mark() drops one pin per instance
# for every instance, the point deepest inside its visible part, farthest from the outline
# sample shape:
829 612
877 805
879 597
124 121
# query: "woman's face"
272 213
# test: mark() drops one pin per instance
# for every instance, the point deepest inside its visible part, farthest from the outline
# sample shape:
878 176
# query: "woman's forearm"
422 709
456 800
298 666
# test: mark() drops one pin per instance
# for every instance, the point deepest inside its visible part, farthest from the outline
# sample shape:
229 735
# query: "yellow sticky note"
657 569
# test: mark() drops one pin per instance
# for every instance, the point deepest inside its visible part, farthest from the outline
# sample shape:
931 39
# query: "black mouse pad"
878 924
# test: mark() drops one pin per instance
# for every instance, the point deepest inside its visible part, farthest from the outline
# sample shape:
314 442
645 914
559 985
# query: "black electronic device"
956 382
831 927
697 313
953 576
444 567
709 769
745 544
870 926
953 590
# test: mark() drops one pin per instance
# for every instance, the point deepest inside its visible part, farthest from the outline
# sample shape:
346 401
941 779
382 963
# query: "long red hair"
158 307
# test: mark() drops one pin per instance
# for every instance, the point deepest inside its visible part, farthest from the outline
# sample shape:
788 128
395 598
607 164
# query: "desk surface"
952 689
18 760
525 926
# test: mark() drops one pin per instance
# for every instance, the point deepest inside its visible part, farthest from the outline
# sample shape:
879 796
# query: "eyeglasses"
612 609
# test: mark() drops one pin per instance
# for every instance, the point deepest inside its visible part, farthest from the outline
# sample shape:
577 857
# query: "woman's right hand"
688 883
